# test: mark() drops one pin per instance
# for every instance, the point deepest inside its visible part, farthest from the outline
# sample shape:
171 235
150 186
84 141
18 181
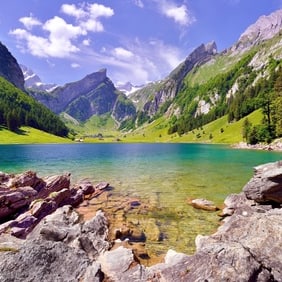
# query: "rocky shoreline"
44 237
275 146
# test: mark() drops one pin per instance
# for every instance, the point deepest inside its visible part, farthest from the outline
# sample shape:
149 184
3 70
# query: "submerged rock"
203 204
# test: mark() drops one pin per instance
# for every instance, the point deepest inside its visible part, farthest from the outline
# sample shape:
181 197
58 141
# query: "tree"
12 121
247 126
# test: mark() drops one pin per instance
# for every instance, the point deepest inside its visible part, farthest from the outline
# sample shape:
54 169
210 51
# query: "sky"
135 40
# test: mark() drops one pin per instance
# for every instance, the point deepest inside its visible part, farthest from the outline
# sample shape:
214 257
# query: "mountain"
9 68
208 85
150 98
32 80
128 88
95 94
17 108
266 27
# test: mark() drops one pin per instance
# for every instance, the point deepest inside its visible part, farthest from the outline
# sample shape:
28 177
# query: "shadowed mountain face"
9 68
95 94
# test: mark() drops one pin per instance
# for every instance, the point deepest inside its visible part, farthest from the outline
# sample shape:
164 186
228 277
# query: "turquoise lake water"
162 174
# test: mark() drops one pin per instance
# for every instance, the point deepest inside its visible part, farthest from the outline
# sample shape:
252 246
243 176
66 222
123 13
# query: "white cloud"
86 42
179 13
87 15
75 65
61 40
138 61
72 10
122 53
29 22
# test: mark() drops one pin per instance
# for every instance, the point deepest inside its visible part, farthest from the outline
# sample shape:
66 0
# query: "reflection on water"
163 175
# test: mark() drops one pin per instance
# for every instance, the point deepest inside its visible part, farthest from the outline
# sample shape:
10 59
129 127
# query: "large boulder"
266 184
60 248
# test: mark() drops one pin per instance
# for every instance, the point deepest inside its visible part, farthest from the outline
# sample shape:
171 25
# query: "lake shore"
275 146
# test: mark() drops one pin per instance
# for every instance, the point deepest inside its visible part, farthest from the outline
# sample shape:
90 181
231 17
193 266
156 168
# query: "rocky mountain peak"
33 81
264 28
9 68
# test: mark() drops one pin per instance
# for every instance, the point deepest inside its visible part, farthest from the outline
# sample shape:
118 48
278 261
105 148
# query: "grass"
216 132
29 135
103 124
220 131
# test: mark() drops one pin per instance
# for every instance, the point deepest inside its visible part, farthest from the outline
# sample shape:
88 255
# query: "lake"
164 175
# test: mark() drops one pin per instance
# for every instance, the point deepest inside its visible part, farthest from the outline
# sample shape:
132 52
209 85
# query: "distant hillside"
94 95
18 109
207 85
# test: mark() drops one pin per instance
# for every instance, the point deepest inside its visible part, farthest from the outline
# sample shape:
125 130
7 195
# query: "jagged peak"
266 27
211 47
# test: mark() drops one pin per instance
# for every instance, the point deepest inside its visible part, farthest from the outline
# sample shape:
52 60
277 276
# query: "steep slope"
95 94
266 27
17 109
9 68
150 98
235 83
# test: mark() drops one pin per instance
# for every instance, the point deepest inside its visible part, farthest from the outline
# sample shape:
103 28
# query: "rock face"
168 88
9 68
264 28
95 94
266 185
60 248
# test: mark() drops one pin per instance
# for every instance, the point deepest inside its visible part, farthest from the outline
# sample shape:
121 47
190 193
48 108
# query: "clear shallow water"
164 175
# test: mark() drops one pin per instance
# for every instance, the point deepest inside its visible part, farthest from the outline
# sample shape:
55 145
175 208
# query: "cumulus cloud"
87 15
62 39
29 22
179 13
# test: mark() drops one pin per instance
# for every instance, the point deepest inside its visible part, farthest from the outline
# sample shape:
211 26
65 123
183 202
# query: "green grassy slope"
29 135
220 131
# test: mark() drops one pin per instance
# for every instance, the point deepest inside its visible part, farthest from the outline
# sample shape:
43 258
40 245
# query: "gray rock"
120 265
264 28
266 184
55 183
46 261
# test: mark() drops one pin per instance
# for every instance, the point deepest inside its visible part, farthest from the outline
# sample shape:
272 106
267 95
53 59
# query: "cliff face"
168 88
266 27
95 94
9 68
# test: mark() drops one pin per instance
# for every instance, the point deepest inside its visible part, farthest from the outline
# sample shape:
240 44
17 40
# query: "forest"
252 93
18 109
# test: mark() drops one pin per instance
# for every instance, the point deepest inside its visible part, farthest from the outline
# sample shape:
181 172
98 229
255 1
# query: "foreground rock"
60 248
25 199
247 246
266 185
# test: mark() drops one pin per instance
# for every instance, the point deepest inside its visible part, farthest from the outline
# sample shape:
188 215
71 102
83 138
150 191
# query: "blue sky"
136 40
